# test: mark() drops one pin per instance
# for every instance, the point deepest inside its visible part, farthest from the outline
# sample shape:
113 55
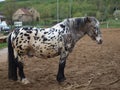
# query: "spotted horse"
58 40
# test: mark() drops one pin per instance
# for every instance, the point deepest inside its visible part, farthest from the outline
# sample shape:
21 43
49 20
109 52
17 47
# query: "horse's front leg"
62 63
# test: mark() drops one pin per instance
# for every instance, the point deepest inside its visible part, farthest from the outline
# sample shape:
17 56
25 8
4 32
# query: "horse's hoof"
13 79
25 81
61 79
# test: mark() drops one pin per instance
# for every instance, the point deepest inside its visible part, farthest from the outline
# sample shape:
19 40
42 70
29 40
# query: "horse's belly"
46 51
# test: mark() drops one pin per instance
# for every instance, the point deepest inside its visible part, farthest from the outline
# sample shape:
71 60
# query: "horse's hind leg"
21 72
62 63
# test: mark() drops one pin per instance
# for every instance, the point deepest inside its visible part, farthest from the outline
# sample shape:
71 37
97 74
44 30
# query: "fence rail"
110 24
3 39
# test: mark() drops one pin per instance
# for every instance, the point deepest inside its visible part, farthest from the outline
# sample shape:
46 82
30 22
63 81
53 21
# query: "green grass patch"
110 24
3 45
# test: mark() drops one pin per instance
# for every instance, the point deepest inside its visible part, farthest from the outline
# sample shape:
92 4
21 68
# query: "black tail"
12 67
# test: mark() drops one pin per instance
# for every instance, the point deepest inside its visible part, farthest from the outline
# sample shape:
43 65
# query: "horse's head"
85 25
92 29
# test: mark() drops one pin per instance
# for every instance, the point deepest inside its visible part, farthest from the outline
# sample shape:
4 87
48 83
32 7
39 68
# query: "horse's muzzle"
100 41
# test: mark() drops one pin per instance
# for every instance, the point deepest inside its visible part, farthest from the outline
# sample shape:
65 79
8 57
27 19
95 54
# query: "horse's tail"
12 66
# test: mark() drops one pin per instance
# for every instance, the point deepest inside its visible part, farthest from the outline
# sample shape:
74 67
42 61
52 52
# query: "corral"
89 67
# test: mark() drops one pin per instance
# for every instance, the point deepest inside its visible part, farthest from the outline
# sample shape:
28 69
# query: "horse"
58 40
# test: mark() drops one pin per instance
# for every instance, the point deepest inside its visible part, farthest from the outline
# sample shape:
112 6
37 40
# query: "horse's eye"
94 27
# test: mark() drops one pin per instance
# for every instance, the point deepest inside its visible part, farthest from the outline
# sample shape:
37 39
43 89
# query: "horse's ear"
87 19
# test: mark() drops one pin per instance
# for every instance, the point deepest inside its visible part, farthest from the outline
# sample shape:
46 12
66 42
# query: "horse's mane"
75 22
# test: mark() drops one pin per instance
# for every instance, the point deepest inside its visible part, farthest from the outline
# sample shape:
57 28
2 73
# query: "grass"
3 45
111 24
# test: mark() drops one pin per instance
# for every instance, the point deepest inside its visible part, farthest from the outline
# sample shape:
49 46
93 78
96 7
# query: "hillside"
102 9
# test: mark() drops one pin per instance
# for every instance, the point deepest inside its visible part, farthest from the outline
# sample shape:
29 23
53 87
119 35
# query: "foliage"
117 14
9 9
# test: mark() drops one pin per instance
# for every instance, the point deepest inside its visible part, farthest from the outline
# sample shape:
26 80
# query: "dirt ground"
89 67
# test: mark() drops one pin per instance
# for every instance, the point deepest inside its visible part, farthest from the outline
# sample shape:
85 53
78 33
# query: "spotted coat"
45 43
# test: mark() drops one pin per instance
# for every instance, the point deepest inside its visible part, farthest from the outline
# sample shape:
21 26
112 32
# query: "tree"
116 14
9 9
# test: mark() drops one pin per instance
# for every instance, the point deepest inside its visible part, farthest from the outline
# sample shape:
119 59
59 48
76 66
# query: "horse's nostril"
100 42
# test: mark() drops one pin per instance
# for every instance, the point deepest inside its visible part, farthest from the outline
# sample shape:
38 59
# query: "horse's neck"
78 35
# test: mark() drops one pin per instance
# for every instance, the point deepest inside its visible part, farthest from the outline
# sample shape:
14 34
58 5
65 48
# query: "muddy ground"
89 67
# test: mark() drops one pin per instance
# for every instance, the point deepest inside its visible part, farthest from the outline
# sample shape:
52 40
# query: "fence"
110 24
3 39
